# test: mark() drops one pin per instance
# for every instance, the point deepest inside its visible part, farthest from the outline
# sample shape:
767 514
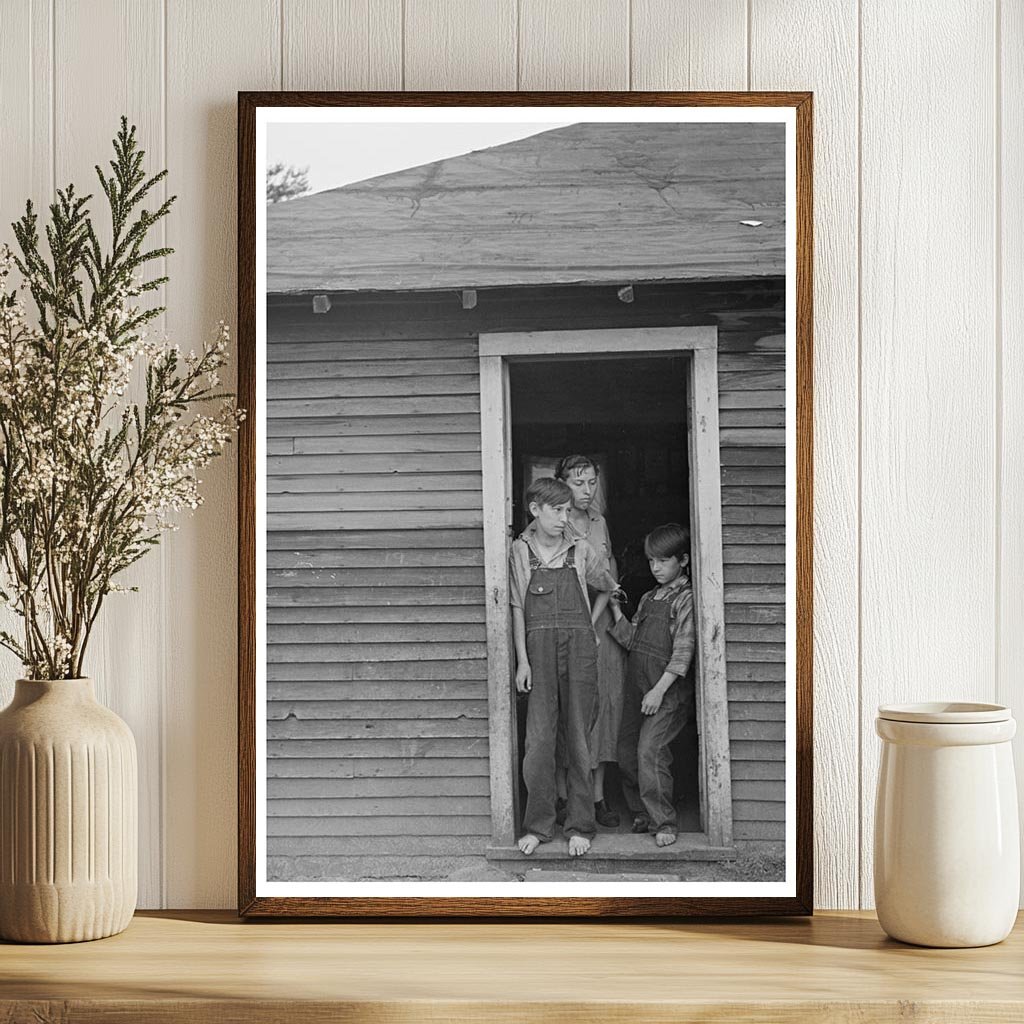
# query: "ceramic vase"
68 815
947 847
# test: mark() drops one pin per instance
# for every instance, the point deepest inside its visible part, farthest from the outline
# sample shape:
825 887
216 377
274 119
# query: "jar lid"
945 713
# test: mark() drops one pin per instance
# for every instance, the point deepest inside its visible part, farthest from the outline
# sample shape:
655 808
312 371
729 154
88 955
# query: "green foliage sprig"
90 478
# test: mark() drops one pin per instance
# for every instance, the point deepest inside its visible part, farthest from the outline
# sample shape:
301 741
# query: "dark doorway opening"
629 415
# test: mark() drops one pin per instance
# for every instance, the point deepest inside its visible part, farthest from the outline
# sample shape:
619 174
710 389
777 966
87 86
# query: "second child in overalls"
659 684
556 653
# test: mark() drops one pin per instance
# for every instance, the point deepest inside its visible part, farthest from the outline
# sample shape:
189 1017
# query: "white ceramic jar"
947 847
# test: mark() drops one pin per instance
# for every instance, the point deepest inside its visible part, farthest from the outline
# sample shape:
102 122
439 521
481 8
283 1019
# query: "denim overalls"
562 652
645 757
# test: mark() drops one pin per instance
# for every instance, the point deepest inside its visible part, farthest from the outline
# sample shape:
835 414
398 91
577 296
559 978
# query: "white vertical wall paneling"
928 355
122 656
699 44
800 45
213 51
574 44
26 104
1010 212
460 44
342 44
938 618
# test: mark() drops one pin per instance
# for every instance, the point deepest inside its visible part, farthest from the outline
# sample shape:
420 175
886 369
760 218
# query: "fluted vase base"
68 815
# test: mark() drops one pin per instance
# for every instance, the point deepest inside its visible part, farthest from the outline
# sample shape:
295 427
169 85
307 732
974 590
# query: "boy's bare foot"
665 838
578 845
528 843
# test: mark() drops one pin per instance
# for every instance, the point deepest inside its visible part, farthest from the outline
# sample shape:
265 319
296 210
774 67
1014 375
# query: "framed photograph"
525 504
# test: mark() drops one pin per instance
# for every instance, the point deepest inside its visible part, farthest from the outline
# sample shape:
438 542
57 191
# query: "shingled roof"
591 203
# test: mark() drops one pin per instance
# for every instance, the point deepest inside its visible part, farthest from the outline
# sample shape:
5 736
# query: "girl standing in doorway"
585 523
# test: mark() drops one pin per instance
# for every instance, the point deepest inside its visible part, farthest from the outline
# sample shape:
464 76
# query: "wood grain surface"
208 967
928 411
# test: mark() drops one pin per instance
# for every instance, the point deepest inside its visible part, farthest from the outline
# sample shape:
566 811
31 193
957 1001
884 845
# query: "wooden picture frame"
496 337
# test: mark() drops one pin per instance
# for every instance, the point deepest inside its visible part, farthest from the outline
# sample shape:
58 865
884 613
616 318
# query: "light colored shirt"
682 627
595 533
590 567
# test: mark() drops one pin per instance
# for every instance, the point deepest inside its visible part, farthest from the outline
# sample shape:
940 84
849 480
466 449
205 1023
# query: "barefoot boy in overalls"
556 663
659 686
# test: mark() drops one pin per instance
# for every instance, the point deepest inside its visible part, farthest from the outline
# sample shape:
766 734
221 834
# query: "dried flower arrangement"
90 478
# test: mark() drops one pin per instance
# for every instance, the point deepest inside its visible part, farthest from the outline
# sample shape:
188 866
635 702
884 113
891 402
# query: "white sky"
338 154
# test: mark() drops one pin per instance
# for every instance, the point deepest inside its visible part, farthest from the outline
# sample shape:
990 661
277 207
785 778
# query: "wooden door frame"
700 345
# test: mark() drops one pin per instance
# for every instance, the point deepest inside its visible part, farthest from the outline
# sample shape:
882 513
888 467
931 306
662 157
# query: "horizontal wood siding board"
362 558
403 806
760 830
443 747
373 387
764 515
764 671
744 632
399 728
292 408
729 418
398 691
748 730
771 770
381 501
743 593
375 540
404 519
752 437
769 790
384 444
349 369
414 462
755 573
369 671
748 533
424 825
761 692
758 810
307 344
756 710
363 633
368 426
758 750
385 576
374 846
754 476
750 612
741 651
752 399
398 768
742 554
342 485
739 455
379 614
376 787
295 653
342 706
406 864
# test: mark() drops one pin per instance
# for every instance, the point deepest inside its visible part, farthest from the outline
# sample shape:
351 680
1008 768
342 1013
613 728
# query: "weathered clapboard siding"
367 589
752 404
356 591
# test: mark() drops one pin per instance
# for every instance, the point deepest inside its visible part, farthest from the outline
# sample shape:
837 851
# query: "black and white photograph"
525 502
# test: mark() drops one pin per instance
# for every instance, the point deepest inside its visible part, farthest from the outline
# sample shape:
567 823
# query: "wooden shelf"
210 967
